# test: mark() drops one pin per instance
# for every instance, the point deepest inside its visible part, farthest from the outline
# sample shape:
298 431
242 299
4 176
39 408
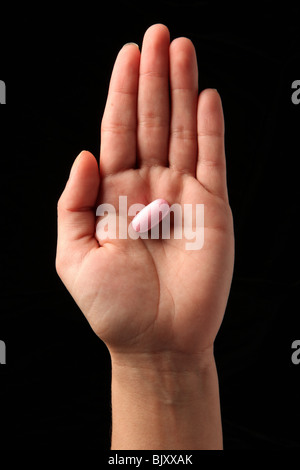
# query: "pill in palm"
150 216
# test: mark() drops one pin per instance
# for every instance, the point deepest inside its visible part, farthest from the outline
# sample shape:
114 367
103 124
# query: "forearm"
165 402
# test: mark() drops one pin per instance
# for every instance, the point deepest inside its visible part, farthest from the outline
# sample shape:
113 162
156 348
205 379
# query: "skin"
156 305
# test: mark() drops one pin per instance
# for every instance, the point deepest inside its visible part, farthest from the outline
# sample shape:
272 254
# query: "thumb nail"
76 161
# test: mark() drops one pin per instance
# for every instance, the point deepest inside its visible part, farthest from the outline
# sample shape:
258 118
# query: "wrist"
163 361
165 401
164 376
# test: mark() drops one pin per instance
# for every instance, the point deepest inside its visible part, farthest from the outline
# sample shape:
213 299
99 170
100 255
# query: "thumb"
76 207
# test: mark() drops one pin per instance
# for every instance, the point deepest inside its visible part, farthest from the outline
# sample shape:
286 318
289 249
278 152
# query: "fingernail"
76 161
131 44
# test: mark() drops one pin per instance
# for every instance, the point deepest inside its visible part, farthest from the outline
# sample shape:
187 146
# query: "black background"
55 387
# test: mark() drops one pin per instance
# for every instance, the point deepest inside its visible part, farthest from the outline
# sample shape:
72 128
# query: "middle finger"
153 98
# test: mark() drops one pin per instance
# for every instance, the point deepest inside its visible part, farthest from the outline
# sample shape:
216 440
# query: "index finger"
118 128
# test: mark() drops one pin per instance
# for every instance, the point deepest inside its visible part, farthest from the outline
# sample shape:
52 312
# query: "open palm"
159 139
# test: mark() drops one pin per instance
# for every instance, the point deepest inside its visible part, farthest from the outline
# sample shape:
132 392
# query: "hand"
159 139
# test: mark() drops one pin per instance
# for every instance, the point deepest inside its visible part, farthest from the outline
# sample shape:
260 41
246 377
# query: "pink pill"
150 216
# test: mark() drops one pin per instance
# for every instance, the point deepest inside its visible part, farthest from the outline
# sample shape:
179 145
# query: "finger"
118 128
184 96
211 165
153 97
76 209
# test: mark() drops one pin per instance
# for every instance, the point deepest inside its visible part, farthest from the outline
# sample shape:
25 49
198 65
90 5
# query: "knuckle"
59 265
152 120
184 134
116 128
61 261
60 203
